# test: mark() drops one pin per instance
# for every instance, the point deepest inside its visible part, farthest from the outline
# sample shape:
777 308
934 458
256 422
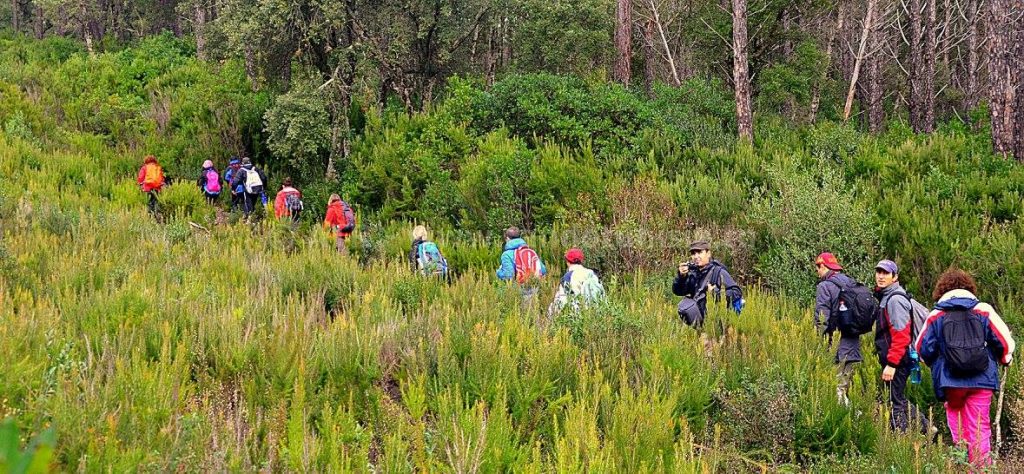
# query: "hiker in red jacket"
340 221
151 180
288 202
892 343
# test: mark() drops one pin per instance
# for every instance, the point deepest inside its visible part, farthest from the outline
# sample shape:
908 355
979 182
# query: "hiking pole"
999 411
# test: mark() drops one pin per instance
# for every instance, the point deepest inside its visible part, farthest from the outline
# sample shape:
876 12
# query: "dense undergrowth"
170 346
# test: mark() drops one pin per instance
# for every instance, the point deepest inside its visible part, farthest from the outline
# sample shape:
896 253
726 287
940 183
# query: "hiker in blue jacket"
696 278
509 270
238 191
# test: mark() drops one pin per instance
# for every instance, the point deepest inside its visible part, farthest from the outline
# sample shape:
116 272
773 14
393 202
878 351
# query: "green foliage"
155 97
562 36
298 131
786 85
35 458
184 199
247 347
831 141
494 182
803 216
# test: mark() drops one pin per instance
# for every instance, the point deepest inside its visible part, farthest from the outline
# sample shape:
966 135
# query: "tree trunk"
489 57
83 25
39 22
873 81
928 62
1019 106
971 70
649 58
922 65
947 32
623 41
1001 75
664 43
200 30
740 71
816 94
16 15
859 58
250 66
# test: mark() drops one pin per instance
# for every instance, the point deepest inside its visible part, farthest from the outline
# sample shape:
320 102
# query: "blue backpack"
430 260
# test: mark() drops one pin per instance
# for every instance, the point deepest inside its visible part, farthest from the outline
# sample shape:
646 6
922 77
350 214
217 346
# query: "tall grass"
166 347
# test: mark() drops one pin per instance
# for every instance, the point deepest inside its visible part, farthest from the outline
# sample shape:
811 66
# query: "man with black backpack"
699 277
893 334
831 285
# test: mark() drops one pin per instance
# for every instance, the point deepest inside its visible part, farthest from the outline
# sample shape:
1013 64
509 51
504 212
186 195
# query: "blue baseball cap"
888 266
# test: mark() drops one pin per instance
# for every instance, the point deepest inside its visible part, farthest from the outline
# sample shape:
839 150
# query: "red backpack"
527 264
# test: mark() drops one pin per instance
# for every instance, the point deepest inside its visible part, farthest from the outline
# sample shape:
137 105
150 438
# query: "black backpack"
856 310
963 343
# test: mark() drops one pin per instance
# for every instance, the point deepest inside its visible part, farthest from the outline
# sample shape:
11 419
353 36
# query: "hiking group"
962 339
247 185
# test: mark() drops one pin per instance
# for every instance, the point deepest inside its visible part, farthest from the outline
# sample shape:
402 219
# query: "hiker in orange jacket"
288 201
151 179
340 221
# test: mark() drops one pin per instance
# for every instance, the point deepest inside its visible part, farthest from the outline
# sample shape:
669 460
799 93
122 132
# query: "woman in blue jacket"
964 341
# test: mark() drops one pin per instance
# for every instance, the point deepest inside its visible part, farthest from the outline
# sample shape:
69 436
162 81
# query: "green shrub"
298 130
495 184
185 200
803 215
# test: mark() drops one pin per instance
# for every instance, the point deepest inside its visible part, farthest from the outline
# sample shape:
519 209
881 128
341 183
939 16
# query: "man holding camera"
699 277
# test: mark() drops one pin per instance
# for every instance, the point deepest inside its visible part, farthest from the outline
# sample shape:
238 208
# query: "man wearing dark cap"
892 341
826 311
696 278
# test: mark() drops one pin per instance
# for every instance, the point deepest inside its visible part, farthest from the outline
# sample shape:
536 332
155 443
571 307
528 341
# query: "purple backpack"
212 181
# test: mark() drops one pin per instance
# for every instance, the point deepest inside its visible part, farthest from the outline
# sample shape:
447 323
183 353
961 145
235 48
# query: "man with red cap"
831 281
579 287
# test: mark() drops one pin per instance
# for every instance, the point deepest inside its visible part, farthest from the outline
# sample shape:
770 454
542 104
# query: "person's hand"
684 268
711 288
888 373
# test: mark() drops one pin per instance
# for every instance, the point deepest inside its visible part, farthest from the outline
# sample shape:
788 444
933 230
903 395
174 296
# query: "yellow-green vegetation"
166 347
228 346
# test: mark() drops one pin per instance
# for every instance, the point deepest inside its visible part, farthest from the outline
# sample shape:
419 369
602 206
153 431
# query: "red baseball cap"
574 255
829 261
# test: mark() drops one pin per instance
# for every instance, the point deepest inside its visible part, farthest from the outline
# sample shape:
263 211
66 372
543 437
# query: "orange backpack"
154 176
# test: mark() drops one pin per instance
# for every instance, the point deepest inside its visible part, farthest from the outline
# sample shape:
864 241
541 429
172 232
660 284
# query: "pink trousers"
967 410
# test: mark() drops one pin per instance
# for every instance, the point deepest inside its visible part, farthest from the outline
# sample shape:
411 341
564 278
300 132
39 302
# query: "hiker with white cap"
209 182
699 277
